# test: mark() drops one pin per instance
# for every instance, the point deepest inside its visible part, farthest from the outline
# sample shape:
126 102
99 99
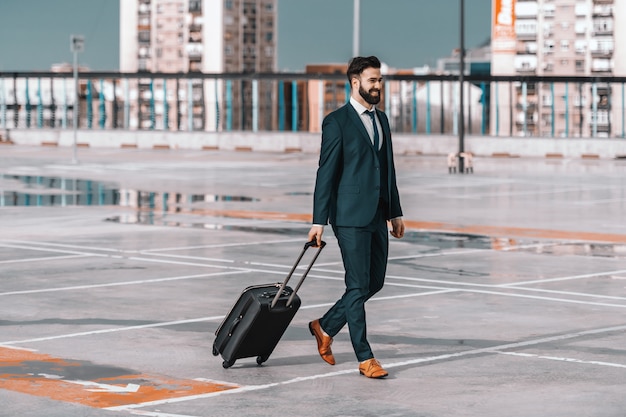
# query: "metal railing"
420 104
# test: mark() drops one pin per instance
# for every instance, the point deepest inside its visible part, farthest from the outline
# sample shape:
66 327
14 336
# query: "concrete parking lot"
507 296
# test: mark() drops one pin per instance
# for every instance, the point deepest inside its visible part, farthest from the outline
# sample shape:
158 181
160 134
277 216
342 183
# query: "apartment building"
572 38
207 36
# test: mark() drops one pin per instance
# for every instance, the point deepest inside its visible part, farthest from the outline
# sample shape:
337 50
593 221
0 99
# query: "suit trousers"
364 251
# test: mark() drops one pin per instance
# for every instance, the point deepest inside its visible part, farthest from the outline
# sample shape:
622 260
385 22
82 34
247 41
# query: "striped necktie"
376 137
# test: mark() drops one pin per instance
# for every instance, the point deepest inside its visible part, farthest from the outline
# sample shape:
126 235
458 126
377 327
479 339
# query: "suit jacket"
347 186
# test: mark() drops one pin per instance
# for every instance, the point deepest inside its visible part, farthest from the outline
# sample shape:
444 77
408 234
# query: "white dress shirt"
367 120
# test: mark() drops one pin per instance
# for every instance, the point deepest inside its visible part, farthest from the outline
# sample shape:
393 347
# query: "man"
356 192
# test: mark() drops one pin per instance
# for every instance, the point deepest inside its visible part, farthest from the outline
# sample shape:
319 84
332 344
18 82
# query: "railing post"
102 106
496 87
27 105
3 106
229 105
281 105
414 109
552 112
126 104
525 106
566 99
594 109
294 106
89 109
255 105
166 108
428 109
39 104
483 103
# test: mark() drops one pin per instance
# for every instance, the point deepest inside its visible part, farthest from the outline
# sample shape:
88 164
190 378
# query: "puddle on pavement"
34 190
603 250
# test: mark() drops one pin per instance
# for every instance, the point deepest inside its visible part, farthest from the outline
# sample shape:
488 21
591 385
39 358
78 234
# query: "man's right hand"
316 234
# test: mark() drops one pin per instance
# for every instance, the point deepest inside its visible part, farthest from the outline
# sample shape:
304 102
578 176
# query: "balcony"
602 65
601 52
525 48
602 27
526 36
531 88
531 107
195 6
603 10
602 118
526 68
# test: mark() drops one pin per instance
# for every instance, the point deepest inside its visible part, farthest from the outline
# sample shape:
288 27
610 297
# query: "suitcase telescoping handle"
307 245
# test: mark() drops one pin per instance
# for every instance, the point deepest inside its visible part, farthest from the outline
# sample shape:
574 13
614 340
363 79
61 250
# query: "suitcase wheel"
228 364
215 351
260 359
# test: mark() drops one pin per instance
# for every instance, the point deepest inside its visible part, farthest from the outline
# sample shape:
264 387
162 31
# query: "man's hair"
358 64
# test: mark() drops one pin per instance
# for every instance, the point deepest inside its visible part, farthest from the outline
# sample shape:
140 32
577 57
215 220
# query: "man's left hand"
397 228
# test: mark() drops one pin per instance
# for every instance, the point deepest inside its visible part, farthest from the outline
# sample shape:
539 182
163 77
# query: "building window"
548 46
228 4
144 36
547 29
269 36
526 27
564 45
195 5
603 26
580 65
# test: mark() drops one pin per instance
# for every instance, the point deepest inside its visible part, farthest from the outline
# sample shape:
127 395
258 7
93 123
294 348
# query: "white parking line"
388 365
583 276
116 284
111 330
569 360
47 258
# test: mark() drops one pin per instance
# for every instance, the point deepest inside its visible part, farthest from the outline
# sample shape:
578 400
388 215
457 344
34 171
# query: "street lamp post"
356 27
77 44
461 98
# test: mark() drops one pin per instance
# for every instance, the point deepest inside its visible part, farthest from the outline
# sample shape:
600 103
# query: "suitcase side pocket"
233 326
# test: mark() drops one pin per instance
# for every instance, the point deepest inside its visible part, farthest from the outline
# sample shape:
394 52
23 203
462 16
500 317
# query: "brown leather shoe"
323 342
372 369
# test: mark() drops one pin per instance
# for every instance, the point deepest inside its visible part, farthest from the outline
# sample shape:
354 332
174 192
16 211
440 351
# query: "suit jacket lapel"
386 129
355 118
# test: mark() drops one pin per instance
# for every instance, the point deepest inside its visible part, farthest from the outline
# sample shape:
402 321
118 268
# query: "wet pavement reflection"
31 190
154 208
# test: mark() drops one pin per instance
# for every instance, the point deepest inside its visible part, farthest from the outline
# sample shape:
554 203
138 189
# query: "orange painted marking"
500 231
90 384
505 231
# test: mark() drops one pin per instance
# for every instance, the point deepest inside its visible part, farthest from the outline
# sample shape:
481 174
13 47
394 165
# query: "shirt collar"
359 107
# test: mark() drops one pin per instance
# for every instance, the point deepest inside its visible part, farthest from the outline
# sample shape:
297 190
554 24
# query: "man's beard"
368 97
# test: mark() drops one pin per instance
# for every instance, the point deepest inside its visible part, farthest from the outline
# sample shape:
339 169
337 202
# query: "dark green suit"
356 192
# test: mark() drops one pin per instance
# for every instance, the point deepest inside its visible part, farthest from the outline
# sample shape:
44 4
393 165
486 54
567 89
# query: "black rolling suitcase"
259 318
